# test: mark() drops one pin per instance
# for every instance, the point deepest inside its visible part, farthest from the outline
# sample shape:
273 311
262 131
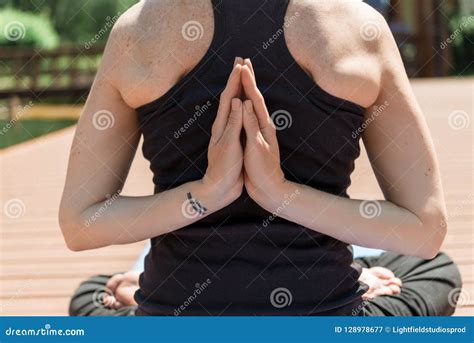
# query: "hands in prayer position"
256 164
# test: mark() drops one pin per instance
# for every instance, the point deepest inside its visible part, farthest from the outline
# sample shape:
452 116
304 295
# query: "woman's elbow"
76 246
71 228
435 229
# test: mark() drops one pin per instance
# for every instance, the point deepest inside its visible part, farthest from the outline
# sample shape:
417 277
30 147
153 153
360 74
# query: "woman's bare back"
325 37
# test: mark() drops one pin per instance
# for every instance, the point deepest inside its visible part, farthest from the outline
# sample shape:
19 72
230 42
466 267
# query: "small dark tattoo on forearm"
197 206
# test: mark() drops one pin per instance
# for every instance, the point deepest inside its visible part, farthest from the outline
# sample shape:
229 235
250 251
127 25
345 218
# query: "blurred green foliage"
462 34
27 129
26 29
75 22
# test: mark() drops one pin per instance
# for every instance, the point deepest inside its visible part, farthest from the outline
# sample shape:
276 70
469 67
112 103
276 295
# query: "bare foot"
381 281
122 288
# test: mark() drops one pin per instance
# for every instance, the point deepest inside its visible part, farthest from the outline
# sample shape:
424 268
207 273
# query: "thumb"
234 121
251 126
114 281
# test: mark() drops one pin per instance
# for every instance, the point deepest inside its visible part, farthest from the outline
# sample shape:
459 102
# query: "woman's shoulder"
147 47
339 43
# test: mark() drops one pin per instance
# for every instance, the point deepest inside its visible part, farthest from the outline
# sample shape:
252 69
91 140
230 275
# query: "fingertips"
236 104
235 75
247 62
248 107
232 90
248 81
238 60
108 301
395 289
233 81
393 281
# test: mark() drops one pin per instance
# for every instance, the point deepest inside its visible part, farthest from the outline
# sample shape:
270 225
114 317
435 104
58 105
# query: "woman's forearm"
123 220
99 165
374 224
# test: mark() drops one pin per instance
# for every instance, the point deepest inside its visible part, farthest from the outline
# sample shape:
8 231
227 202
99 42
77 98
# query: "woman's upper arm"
105 141
399 143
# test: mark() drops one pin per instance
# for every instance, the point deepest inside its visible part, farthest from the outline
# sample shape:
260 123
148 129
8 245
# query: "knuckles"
235 118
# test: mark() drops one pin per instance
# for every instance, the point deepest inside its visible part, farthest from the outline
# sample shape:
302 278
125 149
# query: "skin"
260 133
136 70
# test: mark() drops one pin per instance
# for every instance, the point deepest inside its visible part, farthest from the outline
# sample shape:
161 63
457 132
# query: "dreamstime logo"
3 110
14 31
110 21
369 209
103 120
370 31
281 31
47 330
458 297
281 297
464 24
105 206
459 120
20 112
14 208
358 309
198 290
192 30
98 297
199 111
377 111
281 120
288 199
188 210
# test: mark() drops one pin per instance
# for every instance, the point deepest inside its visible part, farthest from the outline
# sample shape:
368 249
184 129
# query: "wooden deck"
38 273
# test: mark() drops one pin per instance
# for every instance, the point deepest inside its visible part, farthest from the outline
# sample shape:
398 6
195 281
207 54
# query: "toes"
108 301
117 305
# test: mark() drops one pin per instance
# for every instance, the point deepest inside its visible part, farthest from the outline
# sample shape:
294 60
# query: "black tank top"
240 260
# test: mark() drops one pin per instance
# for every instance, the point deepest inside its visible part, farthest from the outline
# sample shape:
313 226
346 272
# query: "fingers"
389 290
247 62
114 281
394 280
250 121
109 301
234 121
375 292
231 91
387 276
395 289
260 109
253 93
368 296
382 273
238 60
